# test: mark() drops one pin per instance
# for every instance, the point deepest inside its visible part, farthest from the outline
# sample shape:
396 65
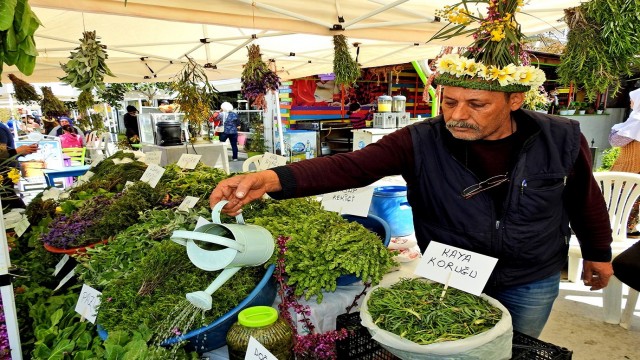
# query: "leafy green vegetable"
87 66
18 25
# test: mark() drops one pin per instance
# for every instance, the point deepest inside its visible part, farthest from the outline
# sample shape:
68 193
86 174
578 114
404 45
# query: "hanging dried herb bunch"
50 105
194 93
257 78
85 101
25 92
87 67
344 66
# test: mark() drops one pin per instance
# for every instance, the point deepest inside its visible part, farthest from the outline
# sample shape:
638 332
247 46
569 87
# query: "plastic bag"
494 344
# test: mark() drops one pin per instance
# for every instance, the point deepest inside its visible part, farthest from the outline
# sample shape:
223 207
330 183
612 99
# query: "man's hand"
596 274
243 189
27 149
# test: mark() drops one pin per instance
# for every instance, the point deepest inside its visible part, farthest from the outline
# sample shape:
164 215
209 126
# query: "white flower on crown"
459 66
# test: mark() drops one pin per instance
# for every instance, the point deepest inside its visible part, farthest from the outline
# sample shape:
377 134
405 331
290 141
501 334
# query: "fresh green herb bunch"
601 46
111 177
126 303
199 182
347 248
129 246
87 68
50 105
125 210
25 93
18 24
85 102
345 68
38 209
413 310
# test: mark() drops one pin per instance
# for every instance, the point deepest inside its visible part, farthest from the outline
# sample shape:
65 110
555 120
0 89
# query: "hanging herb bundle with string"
25 93
195 94
257 79
85 102
87 67
345 68
50 105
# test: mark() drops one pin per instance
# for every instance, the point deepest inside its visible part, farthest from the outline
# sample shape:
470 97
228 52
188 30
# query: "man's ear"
516 100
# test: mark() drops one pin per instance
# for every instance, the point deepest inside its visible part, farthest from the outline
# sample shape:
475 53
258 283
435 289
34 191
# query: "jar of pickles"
261 323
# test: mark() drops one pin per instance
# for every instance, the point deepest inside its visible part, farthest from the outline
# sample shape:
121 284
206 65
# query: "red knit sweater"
393 155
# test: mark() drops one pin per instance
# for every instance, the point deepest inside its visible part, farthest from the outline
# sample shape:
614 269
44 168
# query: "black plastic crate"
526 347
358 345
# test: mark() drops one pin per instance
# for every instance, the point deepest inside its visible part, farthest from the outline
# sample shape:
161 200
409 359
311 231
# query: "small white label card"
153 157
95 160
350 201
256 351
21 226
66 279
188 161
60 264
152 175
462 269
88 302
188 203
270 160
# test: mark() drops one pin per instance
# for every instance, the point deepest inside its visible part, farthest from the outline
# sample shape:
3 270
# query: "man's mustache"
461 124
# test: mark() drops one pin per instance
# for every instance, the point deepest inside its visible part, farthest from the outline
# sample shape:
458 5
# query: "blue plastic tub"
214 335
390 204
373 224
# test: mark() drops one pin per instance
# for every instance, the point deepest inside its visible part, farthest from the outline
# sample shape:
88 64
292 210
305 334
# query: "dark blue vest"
530 236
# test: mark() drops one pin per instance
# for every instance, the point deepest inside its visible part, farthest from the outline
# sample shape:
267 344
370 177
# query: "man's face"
64 122
479 114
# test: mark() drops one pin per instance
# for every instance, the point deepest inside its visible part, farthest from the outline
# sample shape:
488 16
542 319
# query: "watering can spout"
202 299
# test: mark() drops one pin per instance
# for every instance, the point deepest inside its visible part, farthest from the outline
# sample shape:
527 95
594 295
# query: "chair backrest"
620 191
255 161
76 154
91 139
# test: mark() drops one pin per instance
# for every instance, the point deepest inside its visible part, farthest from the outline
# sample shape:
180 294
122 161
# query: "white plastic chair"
620 191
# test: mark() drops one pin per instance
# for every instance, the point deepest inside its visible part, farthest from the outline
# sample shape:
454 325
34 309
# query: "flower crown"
496 61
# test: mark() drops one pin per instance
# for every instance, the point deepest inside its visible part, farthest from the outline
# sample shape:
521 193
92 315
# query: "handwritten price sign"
351 201
152 175
88 303
460 268
189 161
188 203
256 351
152 157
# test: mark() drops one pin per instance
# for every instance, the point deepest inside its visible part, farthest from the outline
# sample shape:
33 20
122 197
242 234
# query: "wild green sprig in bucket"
412 309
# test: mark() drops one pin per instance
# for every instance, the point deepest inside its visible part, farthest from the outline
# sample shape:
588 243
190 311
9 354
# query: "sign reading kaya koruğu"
350 201
462 269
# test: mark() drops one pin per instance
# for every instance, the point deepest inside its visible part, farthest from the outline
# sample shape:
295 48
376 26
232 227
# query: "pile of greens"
347 248
412 309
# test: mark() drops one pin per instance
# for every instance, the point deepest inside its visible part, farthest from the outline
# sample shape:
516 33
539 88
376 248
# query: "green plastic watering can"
217 246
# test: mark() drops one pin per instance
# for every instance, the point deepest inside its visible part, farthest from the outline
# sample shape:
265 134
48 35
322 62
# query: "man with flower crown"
485 176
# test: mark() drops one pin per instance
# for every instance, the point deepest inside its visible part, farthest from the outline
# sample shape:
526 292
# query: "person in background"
358 116
131 125
485 176
57 131
49 124
8 150
626 135
70 138
626 266
231 123
32 125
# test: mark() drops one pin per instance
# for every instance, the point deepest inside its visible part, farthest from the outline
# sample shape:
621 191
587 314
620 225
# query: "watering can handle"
179 236
215 213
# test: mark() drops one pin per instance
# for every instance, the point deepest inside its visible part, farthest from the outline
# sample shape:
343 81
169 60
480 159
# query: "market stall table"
213 154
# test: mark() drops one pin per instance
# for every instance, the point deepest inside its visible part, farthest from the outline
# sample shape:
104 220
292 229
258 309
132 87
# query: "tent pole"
279 117
233 51
373 13
8 301
287 13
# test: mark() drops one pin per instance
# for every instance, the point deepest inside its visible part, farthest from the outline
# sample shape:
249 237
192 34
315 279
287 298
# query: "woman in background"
357 115
626 135
231 123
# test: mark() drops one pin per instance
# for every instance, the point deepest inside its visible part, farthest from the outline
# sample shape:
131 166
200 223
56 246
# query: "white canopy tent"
147 40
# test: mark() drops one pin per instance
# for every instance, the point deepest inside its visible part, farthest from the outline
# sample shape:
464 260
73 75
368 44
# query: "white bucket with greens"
492 343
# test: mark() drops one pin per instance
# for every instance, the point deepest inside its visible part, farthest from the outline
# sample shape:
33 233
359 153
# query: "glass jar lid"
258 316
